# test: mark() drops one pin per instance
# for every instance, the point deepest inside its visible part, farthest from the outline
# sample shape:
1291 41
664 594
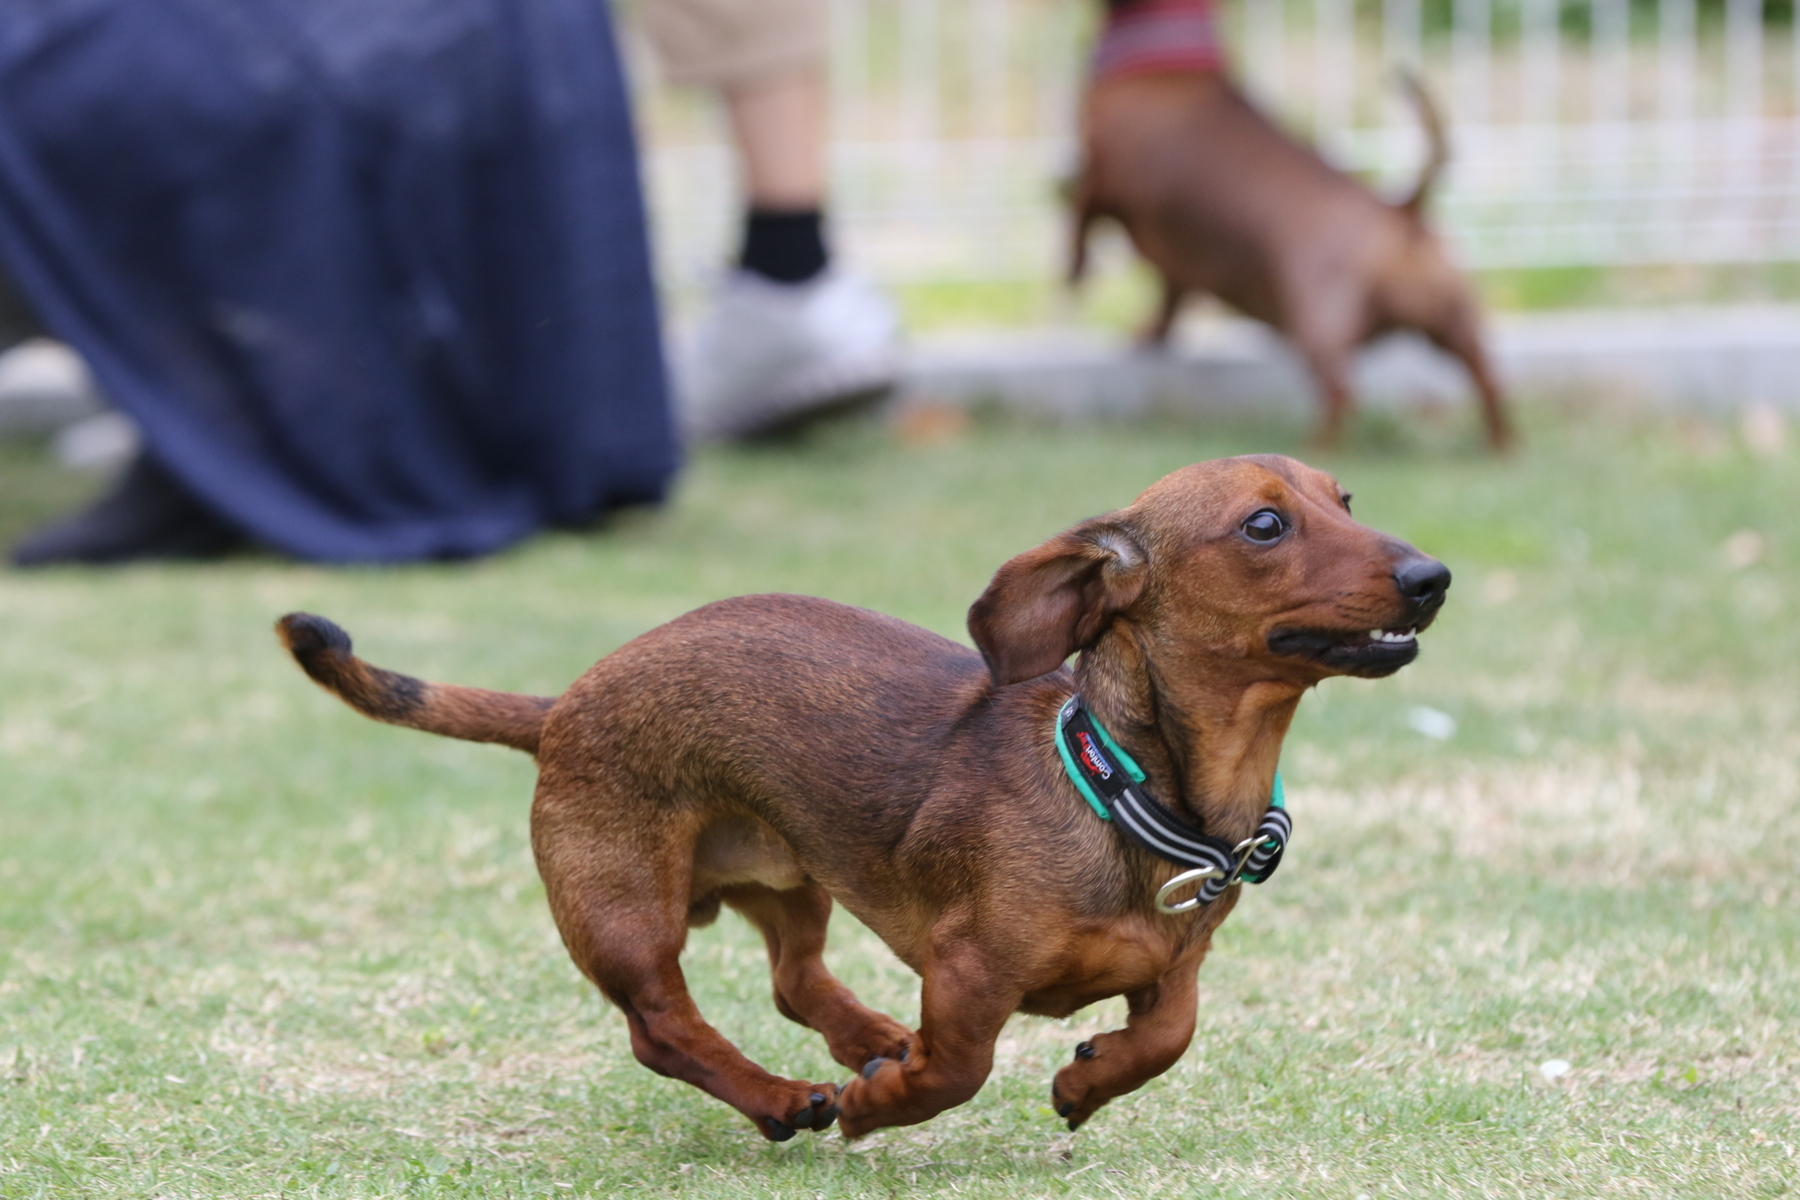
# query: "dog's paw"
818 1113
874 1064
1066 1108
880 1039
867 1099
821 1111
1071 1102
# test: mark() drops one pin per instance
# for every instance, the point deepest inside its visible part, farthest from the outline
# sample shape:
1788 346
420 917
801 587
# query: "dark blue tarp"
371 274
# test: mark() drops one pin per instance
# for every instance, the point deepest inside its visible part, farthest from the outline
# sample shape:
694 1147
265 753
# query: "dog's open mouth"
1367 652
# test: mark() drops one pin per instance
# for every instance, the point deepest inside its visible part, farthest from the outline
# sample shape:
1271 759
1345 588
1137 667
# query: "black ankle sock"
787 246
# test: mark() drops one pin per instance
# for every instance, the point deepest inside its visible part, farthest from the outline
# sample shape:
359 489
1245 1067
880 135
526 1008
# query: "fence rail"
1584 131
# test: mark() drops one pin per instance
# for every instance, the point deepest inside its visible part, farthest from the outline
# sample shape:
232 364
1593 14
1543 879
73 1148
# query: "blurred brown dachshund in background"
778 753
1217 199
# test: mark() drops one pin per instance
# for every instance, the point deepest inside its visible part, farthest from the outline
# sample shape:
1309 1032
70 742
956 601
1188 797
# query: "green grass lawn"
253 944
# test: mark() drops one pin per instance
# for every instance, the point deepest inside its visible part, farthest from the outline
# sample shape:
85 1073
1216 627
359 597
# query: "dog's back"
1217 196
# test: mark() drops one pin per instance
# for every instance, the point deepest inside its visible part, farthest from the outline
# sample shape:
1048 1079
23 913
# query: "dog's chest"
1108 962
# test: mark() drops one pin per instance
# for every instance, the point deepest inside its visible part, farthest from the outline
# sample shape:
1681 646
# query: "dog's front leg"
1155 334
965 1002
1158 1029
1079 228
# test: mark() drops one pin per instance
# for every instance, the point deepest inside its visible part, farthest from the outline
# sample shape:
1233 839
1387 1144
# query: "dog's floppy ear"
1050 602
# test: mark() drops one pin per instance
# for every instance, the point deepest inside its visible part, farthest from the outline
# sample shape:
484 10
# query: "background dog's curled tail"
1437 143
473 714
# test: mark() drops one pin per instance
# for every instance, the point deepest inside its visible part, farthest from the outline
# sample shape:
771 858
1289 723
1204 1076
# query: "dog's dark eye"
1347 498
1264 526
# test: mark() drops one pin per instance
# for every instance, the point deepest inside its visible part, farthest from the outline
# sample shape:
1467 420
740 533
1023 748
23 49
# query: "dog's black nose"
1422 582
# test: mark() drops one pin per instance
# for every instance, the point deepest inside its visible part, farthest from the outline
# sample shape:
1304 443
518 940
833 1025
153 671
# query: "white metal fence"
1584 131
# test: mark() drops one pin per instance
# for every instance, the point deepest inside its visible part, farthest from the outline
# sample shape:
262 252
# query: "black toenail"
802 1119
778 1130
827 1118
872 1066
1063 1110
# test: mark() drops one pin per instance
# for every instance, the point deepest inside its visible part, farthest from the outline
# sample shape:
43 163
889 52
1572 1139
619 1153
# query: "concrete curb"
1704 358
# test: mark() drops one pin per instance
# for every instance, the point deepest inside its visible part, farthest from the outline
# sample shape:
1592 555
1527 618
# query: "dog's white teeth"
1382 635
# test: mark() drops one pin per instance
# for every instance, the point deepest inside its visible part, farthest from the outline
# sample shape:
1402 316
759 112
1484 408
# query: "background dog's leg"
1156 333
1079 229
1332 379
642 975
793 925
1325 321
1330 368
1156 1033
964 1004
1461 337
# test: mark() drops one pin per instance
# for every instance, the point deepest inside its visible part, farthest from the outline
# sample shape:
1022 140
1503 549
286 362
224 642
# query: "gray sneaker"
44 386
768 355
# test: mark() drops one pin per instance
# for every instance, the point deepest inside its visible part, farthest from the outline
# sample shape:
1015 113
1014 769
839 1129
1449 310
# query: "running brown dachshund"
777 754
1219 200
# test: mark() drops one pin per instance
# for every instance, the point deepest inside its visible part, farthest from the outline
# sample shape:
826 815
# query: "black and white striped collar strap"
1113 785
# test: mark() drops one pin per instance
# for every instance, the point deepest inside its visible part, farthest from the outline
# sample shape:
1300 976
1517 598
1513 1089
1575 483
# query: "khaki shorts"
720 43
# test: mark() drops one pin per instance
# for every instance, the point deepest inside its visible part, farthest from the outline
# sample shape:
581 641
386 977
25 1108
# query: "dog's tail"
1437 153
473 714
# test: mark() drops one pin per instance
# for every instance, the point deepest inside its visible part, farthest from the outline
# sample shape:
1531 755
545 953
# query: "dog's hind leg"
621 901
1324 326
1459 335
793 926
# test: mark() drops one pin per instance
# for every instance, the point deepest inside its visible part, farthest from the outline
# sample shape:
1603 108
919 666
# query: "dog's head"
1253 563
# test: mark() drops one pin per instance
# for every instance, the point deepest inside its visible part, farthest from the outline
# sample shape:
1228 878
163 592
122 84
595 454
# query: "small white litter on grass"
1500 586
1764 430
1432 722
1555 1068
1742 549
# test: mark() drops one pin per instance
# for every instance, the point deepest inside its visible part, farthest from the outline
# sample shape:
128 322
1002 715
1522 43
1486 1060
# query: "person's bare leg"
779 126
789 338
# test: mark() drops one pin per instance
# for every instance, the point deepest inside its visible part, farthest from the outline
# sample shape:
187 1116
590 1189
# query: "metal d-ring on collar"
1113 785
